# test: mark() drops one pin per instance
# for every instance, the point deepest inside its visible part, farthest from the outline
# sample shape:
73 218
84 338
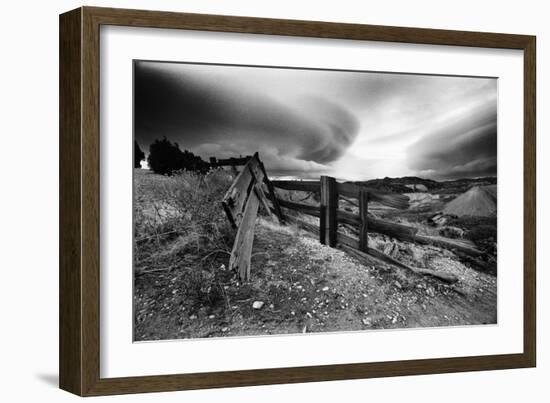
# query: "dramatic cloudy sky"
351 125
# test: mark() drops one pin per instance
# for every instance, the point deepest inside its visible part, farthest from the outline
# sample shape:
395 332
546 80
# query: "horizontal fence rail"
304 186
314 211
361 223
388 199
348 190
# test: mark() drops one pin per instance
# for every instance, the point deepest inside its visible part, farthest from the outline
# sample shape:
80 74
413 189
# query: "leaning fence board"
258 178
388 199
242 248
305 186
444 276
263 198
409 234
461 245
236 196
399 231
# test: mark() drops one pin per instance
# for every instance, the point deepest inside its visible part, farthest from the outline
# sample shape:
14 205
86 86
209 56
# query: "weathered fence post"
329 205
363 212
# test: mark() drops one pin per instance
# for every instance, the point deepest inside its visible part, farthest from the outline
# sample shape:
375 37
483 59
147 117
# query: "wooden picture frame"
79 348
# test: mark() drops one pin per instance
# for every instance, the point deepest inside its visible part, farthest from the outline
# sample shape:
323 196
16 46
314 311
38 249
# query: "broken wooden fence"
241 203
330 216
252 188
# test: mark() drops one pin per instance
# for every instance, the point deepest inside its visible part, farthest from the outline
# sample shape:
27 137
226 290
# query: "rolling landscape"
185 289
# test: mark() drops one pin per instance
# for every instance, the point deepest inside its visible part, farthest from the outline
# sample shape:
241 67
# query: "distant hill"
479 201
403 184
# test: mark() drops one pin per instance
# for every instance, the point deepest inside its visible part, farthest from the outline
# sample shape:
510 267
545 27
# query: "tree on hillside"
166 157
138 155
192 162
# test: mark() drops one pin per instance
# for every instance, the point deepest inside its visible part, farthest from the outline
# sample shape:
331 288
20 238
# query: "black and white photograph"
270 200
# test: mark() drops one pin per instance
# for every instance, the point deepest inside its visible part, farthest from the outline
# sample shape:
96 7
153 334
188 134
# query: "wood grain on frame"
79 200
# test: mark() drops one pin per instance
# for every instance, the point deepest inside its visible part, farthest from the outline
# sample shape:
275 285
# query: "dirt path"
307 287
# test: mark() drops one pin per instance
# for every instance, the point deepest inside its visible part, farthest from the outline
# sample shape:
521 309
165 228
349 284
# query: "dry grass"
178 215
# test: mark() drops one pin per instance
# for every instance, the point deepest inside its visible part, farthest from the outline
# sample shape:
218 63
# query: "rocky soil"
301 286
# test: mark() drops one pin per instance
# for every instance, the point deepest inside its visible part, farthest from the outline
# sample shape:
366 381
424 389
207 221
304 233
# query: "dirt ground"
302 287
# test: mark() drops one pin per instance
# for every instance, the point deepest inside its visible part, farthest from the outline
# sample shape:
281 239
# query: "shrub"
179 215
165 158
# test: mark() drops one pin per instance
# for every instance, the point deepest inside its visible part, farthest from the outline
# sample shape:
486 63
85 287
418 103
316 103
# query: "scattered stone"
309 315
398 284
211 316
225 329
258 304
366 322
325 288
193 317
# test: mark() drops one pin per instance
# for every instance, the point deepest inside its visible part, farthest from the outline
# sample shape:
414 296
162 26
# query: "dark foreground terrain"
182 288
